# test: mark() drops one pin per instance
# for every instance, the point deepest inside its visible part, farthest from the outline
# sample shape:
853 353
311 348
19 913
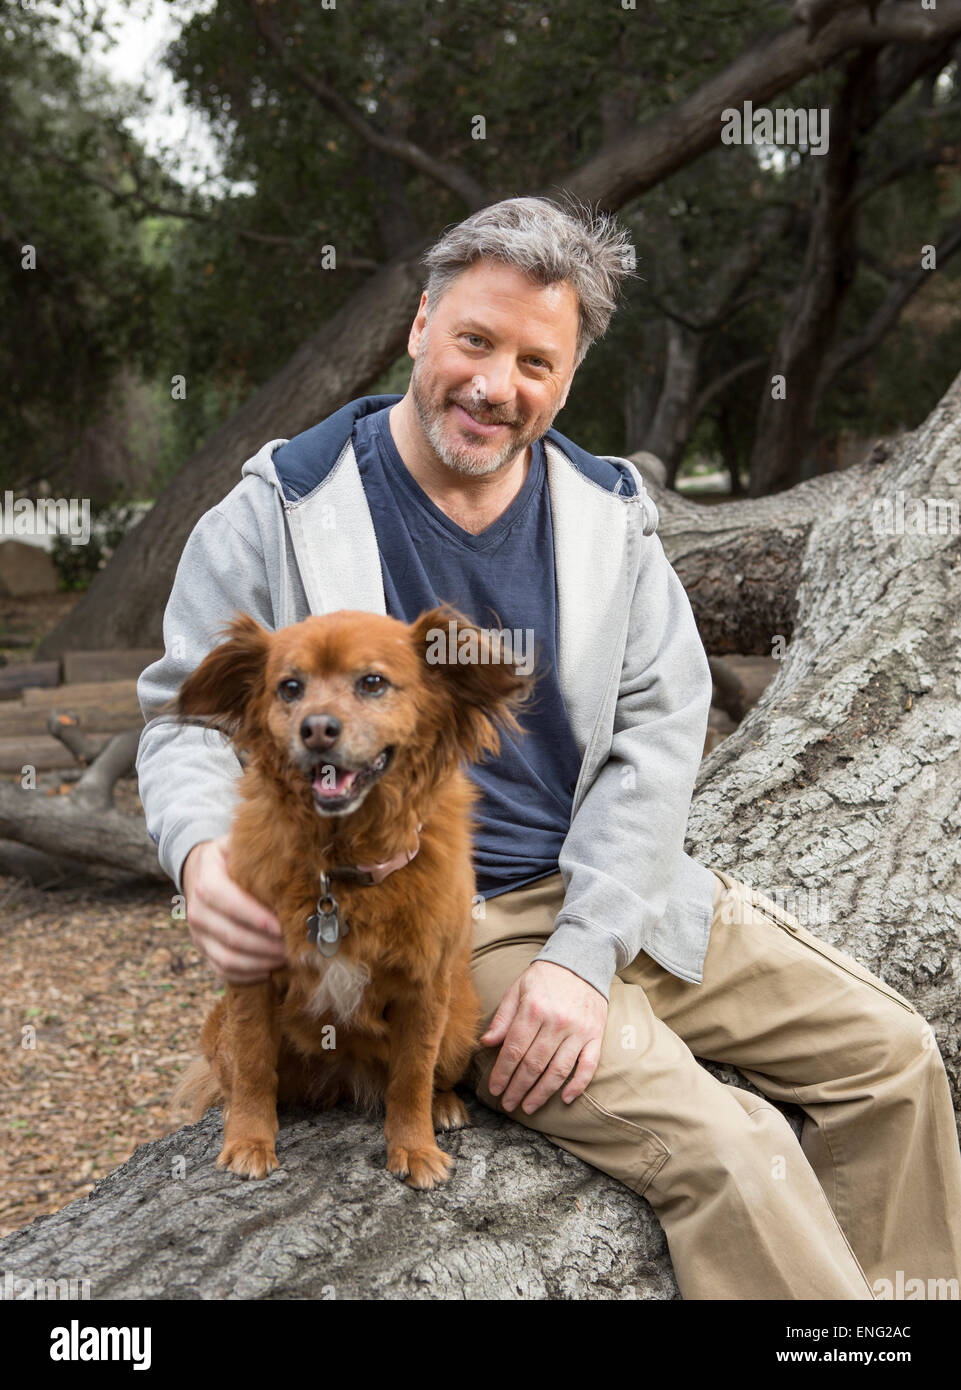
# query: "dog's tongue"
326 785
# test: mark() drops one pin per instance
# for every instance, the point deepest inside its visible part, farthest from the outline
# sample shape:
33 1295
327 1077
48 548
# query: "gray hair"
548 243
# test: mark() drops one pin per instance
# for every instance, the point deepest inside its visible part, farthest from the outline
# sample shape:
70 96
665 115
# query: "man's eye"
474 339
290 690
372 684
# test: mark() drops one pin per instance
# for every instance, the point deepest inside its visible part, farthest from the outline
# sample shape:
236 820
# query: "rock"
25 569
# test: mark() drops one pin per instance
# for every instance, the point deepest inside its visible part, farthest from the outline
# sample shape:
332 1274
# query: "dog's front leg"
250 1116
416 1028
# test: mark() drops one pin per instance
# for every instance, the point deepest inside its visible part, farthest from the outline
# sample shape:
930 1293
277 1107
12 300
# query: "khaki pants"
873 1187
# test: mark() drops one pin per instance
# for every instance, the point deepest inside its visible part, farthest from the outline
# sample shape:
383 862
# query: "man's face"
493 367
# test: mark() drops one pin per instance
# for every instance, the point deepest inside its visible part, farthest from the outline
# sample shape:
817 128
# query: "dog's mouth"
339 789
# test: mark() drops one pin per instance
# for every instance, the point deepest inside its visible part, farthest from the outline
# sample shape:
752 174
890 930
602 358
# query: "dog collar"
368 874
325 927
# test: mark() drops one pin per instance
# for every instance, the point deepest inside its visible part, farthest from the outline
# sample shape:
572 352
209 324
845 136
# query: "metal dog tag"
324 927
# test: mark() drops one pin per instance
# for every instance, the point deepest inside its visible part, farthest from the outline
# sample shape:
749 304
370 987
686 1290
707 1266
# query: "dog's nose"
320 730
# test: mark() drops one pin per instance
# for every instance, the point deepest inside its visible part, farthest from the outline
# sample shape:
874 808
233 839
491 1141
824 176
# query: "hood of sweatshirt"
296 468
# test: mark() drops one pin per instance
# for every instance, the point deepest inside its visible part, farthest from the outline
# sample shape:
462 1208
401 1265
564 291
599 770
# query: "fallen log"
60 825
84 824
518 1219
27 674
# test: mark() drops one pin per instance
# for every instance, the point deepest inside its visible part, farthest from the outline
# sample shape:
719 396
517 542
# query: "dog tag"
325 929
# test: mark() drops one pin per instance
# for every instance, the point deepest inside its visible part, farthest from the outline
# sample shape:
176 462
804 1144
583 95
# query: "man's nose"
499 380
320 730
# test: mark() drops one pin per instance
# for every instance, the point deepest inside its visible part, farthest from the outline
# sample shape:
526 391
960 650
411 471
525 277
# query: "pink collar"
375 873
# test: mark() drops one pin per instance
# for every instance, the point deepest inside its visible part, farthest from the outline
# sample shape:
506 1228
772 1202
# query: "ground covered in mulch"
102 998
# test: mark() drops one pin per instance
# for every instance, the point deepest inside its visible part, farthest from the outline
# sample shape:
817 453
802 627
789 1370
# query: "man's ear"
479 692
417 327
224 687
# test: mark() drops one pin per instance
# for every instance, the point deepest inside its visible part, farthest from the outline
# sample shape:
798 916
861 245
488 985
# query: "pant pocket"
786 920
632 1154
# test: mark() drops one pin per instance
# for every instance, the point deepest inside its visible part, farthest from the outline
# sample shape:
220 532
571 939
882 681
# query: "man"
607 959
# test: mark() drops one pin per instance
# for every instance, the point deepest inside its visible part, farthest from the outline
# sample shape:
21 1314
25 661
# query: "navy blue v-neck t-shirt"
501 578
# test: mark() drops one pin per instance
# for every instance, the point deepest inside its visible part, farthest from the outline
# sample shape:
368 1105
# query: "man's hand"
241 938
550 1020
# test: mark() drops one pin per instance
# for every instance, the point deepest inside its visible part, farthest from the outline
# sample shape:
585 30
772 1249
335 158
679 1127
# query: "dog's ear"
481 691
223 688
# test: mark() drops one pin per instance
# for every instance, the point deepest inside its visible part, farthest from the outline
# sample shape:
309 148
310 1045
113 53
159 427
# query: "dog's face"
336 704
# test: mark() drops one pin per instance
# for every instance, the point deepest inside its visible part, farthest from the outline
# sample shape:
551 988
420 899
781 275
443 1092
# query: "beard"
473 460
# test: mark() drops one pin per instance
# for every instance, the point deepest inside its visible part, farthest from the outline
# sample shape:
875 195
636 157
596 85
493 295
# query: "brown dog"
352 734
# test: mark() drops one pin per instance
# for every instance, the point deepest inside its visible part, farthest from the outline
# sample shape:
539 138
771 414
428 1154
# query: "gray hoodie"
631 667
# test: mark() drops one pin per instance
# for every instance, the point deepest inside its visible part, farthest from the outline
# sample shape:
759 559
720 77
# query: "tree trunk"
785 420
783 442
840 793
124 605
83 827
669 430
842 787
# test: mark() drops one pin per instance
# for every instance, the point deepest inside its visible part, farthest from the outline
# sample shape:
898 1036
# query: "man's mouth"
470 422
339 789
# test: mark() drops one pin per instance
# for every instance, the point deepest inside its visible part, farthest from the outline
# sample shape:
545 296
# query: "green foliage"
76 565
86 307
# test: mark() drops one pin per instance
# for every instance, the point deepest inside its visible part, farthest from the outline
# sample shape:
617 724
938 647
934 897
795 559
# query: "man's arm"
188 774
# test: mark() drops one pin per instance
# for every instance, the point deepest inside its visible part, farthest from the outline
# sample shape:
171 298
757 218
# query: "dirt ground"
102 1002
102 998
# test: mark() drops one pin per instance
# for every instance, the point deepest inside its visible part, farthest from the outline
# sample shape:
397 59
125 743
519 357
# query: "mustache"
486 417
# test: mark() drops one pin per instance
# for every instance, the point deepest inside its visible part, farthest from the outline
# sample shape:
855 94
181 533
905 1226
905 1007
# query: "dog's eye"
372 684
290 690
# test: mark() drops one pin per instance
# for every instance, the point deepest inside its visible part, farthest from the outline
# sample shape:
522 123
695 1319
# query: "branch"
735 271
930 158
448 175
887 272
623 170
94 791
716 320
59 825
889 311
66 728
817 13
715 387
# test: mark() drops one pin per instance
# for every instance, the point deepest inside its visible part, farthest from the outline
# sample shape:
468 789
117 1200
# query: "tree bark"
84 826
842 785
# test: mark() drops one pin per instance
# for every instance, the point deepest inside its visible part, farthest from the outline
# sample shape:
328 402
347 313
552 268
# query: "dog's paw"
419 1167
448 1111
249 1158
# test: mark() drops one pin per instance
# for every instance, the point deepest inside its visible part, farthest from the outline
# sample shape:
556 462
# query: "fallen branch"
83 825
